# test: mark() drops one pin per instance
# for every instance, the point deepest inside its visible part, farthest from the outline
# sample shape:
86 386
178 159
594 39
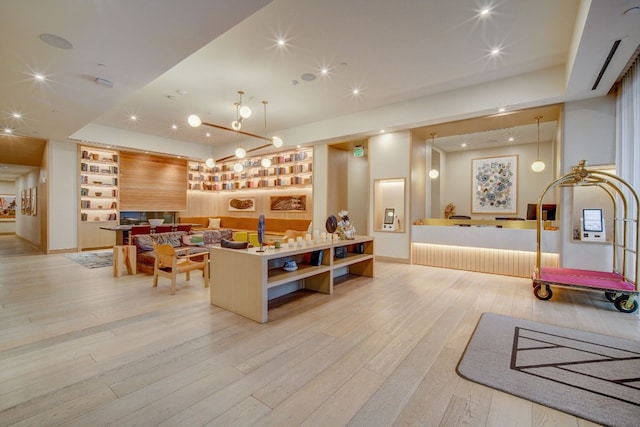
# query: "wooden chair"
169 264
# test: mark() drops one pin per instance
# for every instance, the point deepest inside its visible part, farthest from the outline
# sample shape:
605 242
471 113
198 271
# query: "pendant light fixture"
538 165
242 112
433 173
265 162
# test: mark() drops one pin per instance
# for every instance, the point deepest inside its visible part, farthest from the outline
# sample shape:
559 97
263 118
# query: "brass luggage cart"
620 286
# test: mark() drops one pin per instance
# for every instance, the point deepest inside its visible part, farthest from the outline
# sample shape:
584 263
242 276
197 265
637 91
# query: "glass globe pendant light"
433 173
538 165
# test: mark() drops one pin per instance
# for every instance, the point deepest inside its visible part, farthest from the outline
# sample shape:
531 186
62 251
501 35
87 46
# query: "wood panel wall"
152 183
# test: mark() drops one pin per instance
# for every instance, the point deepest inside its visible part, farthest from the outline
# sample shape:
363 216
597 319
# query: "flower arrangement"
346 231
449 210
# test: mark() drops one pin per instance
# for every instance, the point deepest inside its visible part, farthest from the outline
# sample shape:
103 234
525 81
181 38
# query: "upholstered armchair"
170 262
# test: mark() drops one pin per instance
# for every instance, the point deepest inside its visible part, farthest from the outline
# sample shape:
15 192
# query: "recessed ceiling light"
324 71
495 51
174 126
16 115
511 139
133 118
308 77
381 130
39 77
8 130
355 91
501 110
281 42
485 11
56 41
464 145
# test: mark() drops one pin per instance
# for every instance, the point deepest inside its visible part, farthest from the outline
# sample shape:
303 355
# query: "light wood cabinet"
243 281
286 169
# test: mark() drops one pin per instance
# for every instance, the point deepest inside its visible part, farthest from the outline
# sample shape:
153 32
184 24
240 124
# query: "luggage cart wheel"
611 296
542 292
626 303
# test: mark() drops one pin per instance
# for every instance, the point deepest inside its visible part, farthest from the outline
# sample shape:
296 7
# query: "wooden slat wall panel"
152 183
496 261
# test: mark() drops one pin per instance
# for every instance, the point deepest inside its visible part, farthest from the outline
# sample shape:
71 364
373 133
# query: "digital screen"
389 216
592 220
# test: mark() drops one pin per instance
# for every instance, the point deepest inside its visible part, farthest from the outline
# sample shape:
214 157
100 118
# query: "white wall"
389 158
358 192
456 178
62 223
588 134
28 226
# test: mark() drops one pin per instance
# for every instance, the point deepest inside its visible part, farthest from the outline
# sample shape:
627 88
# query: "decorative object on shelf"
331 224
242 112
261 232
290 265
346 230
296 203
449 210
433 173
495 184
538 165
98 193
156 221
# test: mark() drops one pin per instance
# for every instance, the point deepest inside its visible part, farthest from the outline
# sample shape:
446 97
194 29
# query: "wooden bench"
273 226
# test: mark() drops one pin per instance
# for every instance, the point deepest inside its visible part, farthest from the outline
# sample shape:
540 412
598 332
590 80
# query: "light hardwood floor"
79 347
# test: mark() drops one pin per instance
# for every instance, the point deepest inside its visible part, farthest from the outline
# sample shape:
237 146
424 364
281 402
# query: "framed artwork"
494 183
7 206
242 204
34 200
289 203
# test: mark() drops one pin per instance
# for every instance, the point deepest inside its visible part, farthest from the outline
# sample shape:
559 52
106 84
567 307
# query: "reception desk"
498 247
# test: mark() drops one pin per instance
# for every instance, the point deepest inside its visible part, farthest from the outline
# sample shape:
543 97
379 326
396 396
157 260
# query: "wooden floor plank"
79 347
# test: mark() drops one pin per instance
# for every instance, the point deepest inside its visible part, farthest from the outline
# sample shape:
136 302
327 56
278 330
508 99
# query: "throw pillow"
233 245
193 240
214 223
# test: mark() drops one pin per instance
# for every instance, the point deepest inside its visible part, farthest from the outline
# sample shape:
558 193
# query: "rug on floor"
93 259
592 376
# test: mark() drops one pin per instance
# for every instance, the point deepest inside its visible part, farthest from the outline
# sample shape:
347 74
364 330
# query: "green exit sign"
358 151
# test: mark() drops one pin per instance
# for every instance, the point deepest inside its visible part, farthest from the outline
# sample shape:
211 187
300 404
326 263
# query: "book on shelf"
316 258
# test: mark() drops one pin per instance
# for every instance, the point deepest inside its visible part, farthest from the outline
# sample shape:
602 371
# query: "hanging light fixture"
276 141
538 165
265 162
242 112
433 173
210 162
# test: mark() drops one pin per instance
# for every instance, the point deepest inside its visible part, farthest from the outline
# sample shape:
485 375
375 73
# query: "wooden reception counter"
501 247
243 280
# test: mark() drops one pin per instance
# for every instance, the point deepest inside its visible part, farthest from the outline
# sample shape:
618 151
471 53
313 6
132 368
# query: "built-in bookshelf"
98 185
286 169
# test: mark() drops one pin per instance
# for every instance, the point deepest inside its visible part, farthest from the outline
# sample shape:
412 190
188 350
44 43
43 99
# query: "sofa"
145 257
275 227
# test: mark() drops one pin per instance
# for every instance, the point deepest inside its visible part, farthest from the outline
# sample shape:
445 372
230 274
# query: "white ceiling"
394 52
